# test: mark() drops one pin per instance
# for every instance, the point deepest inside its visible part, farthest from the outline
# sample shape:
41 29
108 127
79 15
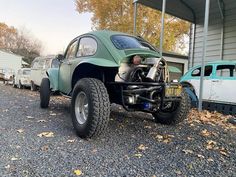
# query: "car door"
195 81
65 68
223 83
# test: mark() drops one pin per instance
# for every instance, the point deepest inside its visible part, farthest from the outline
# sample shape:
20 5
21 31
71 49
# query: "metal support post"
162 25
207 9
135 16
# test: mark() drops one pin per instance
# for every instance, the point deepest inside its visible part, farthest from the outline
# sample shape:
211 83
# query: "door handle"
215 80
67 62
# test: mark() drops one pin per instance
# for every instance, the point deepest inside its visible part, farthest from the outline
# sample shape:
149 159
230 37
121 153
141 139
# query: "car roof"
218 62
105 33
222 62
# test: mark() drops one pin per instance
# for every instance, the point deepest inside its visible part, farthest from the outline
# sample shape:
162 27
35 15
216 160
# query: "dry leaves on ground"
212 118
139 155
164 138
187 151
20 130
78 172
70 141
142 147
46 134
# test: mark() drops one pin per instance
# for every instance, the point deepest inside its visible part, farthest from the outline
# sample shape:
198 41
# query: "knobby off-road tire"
178 115
90 98
45 93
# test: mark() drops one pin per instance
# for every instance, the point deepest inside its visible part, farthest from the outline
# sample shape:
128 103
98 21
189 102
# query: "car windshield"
123 42
26 72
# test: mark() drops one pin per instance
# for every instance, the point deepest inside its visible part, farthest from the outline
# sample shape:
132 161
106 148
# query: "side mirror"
60 57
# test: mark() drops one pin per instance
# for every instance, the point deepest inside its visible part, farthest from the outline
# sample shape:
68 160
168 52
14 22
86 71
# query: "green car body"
107 55
103 67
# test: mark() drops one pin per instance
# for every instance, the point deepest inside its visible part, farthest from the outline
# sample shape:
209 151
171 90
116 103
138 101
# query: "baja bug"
104 67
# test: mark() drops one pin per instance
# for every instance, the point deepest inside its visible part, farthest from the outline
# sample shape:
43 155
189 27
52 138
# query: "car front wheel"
20 85
90 108
33 87
176 113
45 93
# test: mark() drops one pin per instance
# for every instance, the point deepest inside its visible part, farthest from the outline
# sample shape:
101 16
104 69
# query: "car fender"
191 92
53 74
99 62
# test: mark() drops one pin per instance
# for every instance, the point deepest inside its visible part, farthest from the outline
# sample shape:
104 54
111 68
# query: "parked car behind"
22 78
1 74
8 75
38 69
218 86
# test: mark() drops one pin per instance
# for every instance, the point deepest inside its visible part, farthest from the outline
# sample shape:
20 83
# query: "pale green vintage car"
104 67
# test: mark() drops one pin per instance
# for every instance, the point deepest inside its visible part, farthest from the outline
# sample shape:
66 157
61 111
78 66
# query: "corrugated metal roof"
184 9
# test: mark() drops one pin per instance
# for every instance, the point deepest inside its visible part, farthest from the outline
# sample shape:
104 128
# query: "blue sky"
54 22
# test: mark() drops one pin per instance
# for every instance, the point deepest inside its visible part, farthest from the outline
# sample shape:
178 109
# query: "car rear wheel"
45 93
90 108
178 113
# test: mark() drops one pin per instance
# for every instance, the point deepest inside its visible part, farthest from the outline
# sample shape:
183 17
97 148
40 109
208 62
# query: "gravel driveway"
133 144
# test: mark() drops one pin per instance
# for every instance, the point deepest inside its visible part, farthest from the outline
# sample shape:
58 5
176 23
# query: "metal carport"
201 13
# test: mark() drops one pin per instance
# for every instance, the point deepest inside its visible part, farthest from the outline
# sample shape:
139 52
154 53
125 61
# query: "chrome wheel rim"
81 108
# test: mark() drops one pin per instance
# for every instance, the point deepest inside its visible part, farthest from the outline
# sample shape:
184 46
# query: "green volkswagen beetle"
104 67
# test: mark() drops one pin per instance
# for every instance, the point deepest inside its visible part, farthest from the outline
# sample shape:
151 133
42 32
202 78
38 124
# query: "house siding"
213 50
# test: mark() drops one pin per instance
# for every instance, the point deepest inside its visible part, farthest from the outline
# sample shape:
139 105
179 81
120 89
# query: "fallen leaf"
224 152
20 130
142 147
159 137
94 151
190 138
42 120
200 156
77 172
29 117
45 148
7 166
138 155
211 144
148 127
205 132
70 141
46 134
14 158
210 160
178 172
187 151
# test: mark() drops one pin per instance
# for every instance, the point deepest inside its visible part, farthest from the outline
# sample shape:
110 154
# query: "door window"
226 71
87 47
71 50
197 72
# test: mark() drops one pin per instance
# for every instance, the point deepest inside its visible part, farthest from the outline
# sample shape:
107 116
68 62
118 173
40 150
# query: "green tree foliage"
117 15
19 42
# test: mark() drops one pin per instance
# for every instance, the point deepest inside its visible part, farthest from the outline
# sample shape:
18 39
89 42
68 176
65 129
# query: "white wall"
8 60
213 50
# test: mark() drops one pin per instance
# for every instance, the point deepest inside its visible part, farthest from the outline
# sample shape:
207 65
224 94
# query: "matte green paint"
53 78
107 55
